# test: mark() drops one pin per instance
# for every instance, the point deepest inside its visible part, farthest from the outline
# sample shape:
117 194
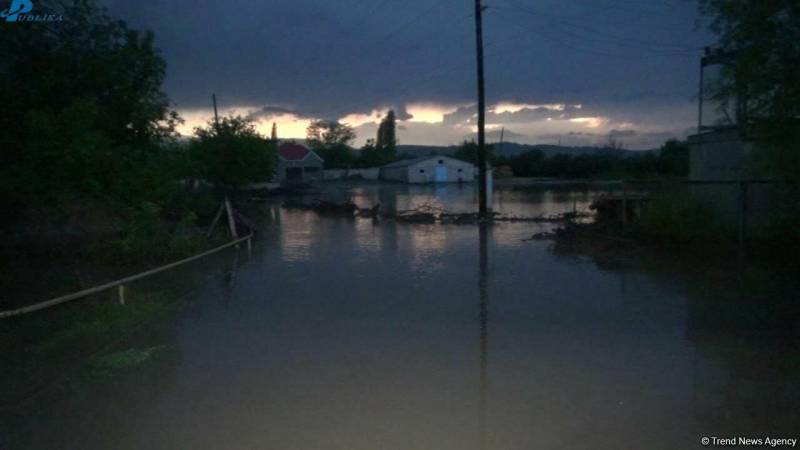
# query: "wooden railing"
120 284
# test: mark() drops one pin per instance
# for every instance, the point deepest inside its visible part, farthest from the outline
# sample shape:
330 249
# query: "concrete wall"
338 174
724 155
394 173
719 155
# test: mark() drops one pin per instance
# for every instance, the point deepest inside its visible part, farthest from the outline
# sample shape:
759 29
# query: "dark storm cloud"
538 113
401 113
622 133
330 59
460 116
495 135
468 114
271 111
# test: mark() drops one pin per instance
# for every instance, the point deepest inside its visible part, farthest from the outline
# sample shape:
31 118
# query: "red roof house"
297 163
293 152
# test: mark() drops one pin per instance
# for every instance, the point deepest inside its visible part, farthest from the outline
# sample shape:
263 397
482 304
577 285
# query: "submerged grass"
39 348
125 359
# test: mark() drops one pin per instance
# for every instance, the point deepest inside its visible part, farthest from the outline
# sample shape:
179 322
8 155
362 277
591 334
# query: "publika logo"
19 9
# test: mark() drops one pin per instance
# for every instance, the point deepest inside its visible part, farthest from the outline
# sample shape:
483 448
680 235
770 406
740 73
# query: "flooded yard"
343 333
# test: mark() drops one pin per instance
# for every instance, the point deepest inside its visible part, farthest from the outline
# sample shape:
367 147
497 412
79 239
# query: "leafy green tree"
387 133
84 116
337 156
383 149
89 57
331 140
231 153
329 133
760 39
673 158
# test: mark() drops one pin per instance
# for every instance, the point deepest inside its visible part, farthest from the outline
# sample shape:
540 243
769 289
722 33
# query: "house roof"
293 152
412 161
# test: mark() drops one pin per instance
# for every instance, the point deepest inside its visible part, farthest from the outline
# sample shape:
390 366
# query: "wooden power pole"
216 117
482 201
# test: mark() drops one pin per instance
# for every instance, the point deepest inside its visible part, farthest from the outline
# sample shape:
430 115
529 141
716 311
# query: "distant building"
298 164
429 169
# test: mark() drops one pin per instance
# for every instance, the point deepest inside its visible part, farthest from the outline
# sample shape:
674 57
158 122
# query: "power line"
622 40
546 34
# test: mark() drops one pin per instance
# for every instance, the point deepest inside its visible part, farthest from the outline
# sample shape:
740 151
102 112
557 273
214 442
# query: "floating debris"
543 236
323 207
425 213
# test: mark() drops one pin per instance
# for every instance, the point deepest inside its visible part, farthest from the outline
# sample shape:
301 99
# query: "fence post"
742 216
624 203
231 221
121 291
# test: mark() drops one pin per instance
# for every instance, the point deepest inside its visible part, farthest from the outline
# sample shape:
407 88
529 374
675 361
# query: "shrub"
680 218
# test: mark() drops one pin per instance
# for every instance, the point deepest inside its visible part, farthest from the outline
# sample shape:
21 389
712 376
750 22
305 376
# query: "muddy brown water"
348 334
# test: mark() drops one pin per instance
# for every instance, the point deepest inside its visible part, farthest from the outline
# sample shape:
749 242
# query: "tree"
89 57
331 140
231 153
761 40
382 150
274 135
468 151
386 138
329 133
614 143
673 158
371 156
84 116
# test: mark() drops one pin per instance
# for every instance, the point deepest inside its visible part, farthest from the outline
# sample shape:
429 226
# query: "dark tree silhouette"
761 38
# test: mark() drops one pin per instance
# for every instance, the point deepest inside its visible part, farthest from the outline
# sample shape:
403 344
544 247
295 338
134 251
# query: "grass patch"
37 347
124 360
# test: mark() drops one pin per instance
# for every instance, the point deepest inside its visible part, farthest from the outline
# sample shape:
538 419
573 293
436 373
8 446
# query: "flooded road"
348 334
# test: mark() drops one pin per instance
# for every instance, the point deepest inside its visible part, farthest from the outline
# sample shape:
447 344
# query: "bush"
680 218
145 236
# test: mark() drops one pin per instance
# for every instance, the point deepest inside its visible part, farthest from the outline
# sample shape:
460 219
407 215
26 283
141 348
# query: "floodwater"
347 334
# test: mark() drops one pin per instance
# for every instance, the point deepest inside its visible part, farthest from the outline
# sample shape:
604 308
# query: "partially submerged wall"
724 156
341 174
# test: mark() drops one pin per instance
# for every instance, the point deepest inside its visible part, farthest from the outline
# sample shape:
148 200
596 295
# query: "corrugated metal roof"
411 162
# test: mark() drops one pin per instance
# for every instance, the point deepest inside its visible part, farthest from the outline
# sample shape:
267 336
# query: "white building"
297 163
430 169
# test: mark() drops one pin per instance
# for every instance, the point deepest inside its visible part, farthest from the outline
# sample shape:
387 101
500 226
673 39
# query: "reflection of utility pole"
481 111
483 294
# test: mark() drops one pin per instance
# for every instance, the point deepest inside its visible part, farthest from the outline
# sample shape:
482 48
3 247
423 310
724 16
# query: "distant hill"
514 149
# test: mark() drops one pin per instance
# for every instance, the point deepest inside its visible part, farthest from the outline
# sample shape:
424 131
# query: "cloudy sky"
569 71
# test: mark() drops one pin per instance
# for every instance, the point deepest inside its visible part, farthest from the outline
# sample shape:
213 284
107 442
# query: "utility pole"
226 203
216 116
482 212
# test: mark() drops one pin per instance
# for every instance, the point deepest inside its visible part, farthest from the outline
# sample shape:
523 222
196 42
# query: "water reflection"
483 293
344 334
511 200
